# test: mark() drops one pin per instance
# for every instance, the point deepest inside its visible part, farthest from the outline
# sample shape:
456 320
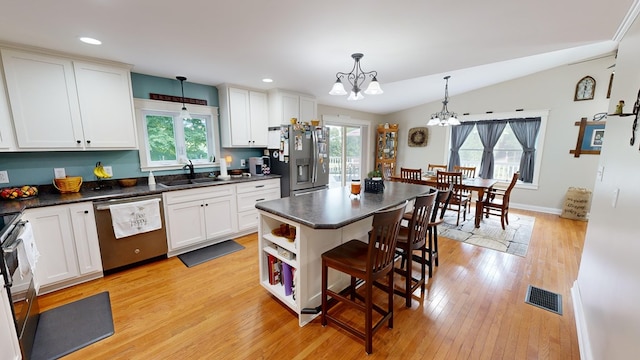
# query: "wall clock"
585 89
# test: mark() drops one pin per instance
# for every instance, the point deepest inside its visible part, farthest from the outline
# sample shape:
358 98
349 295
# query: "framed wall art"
590 137
418 136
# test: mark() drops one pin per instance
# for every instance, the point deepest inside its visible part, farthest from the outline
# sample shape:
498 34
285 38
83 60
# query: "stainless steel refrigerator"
300 153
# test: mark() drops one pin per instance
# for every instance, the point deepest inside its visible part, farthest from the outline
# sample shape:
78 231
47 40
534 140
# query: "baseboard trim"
581 325
546 210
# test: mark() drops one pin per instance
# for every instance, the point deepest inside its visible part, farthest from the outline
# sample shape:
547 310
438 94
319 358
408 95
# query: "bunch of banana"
99 172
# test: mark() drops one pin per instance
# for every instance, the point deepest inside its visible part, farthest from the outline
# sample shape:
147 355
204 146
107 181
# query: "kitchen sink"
188 181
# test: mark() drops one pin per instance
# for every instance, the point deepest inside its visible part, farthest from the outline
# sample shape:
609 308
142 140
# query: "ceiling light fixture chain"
356 78
184 114
444 117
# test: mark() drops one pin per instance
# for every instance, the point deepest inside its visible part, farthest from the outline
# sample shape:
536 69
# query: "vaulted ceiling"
412 44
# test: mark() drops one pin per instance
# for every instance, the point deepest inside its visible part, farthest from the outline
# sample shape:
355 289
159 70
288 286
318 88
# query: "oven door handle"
11 247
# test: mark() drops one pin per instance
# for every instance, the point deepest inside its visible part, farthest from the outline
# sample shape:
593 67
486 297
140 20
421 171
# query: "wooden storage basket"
70 184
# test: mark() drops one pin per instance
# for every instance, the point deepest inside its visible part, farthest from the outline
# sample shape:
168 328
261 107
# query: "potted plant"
375 175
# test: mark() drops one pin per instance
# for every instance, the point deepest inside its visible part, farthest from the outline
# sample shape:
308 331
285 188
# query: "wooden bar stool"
437 217
368 262
414 237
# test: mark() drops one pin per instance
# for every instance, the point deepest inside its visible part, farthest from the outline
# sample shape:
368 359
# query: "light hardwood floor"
473 309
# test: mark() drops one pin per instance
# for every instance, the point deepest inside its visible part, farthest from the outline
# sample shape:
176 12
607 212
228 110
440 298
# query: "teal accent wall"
142 85
36 168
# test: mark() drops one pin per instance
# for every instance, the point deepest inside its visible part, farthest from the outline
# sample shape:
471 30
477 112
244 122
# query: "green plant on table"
374 174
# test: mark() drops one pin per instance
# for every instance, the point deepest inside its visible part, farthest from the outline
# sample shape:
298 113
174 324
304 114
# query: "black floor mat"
70 327
196 257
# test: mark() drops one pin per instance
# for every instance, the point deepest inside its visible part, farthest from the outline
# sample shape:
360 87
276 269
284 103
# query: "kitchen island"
320 221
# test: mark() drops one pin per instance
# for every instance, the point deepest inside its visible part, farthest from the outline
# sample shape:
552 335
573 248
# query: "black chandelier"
356 78
444 117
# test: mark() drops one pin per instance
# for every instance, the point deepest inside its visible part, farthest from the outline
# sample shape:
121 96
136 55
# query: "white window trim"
142 105
542 114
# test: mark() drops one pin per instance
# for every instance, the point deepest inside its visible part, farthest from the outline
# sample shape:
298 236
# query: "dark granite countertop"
335 208
45 198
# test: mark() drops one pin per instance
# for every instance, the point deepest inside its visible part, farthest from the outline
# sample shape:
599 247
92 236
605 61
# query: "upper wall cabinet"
61 104
284 105
7 140
244 117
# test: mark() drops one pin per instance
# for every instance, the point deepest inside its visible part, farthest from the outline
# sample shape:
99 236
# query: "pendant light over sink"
184 114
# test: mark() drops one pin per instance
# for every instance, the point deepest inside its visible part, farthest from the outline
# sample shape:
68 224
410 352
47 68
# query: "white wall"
607 291
551 90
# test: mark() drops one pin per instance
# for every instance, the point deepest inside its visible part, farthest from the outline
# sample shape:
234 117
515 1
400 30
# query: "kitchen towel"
135 217
27 252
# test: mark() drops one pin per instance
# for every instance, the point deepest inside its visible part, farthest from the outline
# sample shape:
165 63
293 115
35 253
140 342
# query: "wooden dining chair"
411 238
369 262
410 174
496 201
467 172
459 200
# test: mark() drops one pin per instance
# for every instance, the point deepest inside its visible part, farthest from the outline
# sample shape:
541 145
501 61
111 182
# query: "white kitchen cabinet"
10 348
244 117
248 194
7 140
106 106
284 105
61 104
67 240
199 216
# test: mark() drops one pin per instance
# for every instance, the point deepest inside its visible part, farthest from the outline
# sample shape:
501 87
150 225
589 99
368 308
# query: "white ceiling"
412 44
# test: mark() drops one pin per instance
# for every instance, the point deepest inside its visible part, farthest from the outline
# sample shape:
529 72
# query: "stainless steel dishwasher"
117 253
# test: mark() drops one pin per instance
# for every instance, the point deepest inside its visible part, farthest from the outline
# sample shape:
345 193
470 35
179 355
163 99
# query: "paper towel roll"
223 167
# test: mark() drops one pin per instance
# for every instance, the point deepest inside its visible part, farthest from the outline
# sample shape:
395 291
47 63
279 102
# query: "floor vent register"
544 299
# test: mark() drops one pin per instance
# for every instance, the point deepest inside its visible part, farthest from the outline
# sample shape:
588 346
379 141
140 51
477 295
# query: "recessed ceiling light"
267 80
92 41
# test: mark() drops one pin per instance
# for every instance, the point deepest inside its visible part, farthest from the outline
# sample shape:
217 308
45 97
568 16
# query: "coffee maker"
255 166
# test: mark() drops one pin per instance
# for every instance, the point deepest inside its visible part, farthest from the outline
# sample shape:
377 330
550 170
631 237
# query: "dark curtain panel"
489 132
526 131
459 134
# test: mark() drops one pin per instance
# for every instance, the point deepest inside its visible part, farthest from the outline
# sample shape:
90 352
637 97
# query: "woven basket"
70 184
373 186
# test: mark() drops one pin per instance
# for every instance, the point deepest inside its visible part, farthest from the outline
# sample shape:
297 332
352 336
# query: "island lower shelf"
304 255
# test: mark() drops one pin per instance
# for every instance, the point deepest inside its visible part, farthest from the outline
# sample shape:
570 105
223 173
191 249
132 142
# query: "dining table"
476 184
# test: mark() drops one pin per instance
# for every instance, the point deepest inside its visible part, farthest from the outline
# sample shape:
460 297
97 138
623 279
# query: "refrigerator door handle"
314 152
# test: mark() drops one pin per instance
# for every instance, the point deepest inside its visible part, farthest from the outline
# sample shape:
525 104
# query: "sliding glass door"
346 146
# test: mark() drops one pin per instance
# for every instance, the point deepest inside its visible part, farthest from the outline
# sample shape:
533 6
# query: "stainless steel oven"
19 281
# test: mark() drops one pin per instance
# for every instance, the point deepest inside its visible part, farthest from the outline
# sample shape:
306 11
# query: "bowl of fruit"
19 193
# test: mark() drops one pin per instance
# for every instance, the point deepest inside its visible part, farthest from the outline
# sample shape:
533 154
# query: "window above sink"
167 141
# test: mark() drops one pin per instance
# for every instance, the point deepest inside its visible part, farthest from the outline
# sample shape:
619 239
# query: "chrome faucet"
192 174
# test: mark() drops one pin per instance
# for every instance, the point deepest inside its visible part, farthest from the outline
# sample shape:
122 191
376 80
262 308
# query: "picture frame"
590 137
597 136
418 137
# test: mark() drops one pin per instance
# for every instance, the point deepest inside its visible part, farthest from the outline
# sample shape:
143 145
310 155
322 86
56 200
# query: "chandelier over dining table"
356 78
444 117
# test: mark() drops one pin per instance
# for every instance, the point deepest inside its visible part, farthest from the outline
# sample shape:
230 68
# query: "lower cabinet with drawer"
67 241
248 194
199 217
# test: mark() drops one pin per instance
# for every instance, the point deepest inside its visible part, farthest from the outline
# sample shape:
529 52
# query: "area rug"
72 326
513 240
196 257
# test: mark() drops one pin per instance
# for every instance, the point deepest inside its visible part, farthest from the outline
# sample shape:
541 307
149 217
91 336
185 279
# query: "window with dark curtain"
526 131
498 147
